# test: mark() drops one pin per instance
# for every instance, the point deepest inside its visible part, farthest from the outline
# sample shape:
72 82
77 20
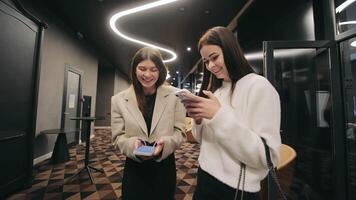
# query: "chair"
285 170
287 156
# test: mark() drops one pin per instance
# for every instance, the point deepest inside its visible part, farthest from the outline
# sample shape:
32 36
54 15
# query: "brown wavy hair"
146 53
235 61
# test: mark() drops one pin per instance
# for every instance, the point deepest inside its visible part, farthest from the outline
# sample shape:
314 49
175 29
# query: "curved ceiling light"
344 5
118 15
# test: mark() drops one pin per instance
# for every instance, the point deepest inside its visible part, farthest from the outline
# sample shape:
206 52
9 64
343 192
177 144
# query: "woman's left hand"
203 107
159 147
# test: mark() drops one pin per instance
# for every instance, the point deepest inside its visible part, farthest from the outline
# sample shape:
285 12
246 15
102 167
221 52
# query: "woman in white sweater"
239 108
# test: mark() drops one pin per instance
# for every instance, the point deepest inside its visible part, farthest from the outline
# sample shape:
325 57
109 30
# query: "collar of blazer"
160 104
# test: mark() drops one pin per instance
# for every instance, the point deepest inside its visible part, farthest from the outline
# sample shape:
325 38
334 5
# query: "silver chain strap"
243 175
272 171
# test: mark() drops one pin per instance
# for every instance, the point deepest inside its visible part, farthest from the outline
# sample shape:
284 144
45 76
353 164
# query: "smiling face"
213 59
147 74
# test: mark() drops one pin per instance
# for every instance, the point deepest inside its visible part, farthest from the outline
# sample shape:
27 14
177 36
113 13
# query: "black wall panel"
18 53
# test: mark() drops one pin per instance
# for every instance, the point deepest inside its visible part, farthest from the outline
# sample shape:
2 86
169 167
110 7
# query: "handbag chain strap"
243 176
272 170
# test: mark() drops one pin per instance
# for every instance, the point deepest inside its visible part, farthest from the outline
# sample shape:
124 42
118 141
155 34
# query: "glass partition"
348 61
301 76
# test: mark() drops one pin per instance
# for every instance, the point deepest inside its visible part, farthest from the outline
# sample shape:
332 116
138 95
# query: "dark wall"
20 42
105 90
60 47
274 20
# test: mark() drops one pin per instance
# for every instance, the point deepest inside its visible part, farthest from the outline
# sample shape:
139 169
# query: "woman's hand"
199 107
159 147
138 143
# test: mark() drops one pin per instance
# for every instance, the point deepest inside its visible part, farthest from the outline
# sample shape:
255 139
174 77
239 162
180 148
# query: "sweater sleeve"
197 131
241 139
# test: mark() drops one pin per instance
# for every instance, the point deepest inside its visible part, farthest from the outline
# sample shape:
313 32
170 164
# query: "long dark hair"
146 53
235 61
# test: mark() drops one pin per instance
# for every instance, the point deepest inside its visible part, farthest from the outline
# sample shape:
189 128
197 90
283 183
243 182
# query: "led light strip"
347 22
344 5
353 43
118 15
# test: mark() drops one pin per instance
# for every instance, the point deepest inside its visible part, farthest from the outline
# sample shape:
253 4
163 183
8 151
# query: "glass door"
348 62
345 21
307 77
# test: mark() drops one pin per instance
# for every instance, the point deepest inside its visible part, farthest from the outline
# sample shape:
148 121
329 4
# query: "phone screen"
144 151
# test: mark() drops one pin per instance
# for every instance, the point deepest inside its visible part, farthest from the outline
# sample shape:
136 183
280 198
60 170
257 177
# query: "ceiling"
174 26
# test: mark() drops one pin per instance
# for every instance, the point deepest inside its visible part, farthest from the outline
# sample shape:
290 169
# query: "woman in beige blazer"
148 113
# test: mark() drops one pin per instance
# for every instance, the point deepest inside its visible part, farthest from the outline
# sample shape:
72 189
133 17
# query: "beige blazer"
128 124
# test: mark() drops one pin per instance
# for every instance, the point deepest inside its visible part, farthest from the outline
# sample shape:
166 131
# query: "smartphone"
184 94
144 151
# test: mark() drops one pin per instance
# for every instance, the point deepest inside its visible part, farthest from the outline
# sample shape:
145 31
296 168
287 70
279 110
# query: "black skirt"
210 188
149 179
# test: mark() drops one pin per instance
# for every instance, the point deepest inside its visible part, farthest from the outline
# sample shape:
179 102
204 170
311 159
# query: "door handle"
66 113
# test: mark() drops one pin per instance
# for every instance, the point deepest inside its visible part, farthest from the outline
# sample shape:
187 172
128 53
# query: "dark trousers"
149 179
209 188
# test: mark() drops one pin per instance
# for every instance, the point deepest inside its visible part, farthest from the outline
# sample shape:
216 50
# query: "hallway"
48 178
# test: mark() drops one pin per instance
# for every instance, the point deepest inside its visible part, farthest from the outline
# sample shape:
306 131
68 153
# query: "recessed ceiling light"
182 9
189 48
118 15
207 11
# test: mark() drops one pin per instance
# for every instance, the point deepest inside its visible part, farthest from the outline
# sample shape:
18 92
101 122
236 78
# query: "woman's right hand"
137 144
199 107
186 104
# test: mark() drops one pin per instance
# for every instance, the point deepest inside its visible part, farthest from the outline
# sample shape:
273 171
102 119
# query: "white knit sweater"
234 134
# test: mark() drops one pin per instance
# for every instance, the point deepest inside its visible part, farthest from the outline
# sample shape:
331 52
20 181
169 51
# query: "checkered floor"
49 179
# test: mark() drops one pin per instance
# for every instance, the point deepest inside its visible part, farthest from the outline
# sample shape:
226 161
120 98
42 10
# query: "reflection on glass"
303 82
348 59
193 81
345 12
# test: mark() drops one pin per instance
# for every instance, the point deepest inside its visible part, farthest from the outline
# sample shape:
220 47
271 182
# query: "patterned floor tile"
51 181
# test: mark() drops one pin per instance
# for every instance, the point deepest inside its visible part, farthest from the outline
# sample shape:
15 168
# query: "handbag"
272 179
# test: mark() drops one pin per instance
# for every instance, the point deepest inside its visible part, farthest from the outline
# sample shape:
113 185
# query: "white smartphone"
144 151
184 94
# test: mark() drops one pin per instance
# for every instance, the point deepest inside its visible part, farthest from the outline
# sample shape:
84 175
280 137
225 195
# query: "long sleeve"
172 142
120 139
197 131
241 137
